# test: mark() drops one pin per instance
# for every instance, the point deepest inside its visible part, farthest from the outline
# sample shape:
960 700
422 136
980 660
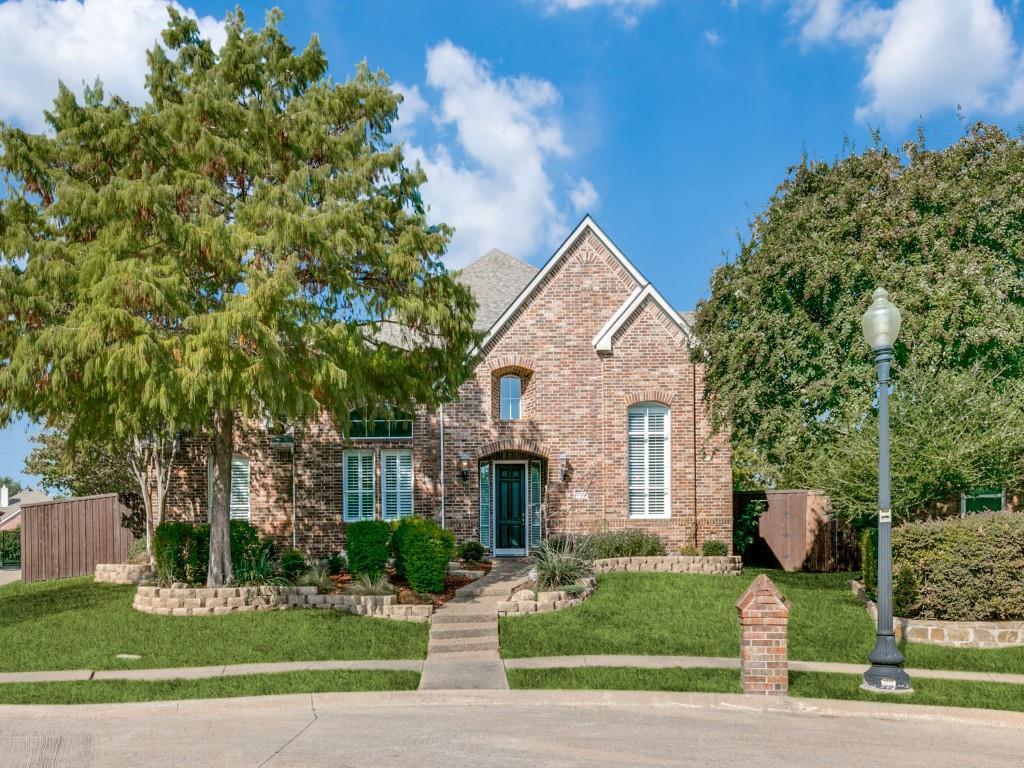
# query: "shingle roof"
495 280
16 500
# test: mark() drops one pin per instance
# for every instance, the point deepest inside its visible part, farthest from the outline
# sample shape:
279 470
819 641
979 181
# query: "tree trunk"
140 460
222 448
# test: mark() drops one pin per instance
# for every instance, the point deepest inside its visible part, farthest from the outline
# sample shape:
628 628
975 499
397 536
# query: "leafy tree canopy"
92 466
787 367
13 486
248 241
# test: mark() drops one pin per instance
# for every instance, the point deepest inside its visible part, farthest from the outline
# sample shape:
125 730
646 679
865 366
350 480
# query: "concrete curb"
734 702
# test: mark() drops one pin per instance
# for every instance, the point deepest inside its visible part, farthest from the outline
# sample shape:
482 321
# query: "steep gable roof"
621 315
495 280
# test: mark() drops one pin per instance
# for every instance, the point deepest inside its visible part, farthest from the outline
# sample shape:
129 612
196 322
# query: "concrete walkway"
9 575
196 673
512 729
463 653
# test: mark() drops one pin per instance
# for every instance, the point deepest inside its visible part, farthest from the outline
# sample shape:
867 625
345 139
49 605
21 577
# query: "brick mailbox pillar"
764 614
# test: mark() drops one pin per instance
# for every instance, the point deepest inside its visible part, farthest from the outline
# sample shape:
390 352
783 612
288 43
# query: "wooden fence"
68 537
797 533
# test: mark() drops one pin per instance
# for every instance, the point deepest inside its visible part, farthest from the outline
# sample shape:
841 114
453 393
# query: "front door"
510 510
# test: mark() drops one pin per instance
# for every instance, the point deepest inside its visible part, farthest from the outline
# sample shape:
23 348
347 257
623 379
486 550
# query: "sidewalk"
473 672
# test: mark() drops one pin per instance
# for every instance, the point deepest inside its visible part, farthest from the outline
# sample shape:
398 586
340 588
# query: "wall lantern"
563 466
464 465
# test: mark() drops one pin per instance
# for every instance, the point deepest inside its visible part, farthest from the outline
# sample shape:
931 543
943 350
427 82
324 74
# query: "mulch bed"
407 596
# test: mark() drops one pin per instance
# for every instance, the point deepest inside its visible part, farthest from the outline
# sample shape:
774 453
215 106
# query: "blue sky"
670 121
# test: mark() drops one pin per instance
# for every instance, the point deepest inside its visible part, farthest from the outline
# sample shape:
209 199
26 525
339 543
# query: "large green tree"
787 369
248 244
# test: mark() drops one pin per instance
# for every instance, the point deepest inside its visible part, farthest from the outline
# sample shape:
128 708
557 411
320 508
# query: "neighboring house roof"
628 308
15 502
495 280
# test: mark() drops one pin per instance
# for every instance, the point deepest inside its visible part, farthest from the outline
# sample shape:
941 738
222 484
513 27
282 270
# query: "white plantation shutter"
359 483
239 488
396 484
648 460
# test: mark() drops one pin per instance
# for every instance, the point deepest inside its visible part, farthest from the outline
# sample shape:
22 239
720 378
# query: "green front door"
510 508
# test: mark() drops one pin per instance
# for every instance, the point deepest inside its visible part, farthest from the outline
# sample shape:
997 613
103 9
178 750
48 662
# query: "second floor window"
511 398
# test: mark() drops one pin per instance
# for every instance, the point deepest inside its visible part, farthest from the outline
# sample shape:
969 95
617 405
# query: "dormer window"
511 398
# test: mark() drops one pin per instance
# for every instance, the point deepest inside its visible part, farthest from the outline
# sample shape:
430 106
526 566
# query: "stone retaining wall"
188 601
124 573
528 601
954 634
731 564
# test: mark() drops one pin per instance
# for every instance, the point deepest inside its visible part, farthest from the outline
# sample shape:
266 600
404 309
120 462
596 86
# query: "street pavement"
509 728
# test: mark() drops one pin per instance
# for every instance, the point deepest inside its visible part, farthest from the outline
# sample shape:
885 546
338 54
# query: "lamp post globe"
881 326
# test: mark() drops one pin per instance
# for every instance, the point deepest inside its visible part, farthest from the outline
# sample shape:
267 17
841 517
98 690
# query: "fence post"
764 615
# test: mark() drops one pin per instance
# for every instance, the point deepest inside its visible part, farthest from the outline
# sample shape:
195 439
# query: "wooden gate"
68 537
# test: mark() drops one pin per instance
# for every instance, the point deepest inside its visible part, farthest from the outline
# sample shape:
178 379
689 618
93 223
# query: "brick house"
584 413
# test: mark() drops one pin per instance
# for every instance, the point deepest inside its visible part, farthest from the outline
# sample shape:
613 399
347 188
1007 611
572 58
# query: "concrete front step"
446 647
452 655
446 616
464 631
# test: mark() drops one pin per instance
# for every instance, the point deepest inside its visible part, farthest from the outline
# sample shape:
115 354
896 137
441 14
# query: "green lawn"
689 615
948 693
116 691
77 624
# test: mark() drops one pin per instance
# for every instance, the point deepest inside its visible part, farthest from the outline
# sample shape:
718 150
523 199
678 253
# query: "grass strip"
813 685
78 624
665 614
119 691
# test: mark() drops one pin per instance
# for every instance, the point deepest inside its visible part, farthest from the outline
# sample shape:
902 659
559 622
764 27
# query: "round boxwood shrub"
368 547
714 548
472 552
422 553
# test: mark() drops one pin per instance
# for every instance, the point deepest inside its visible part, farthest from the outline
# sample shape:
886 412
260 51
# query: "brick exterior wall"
764 616
574 402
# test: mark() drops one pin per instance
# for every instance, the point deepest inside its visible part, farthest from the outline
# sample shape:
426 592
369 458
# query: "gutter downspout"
295 533
440 412
695 416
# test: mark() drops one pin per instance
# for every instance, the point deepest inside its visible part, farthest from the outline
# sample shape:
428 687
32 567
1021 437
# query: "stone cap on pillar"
763 599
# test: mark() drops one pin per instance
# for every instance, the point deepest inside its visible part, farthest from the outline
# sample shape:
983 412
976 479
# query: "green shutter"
485 505
536 492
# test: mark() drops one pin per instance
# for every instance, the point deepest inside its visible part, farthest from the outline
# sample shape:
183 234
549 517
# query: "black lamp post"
881 324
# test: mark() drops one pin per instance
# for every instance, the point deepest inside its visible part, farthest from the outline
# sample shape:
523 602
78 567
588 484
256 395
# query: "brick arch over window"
649 396
512 365
513 444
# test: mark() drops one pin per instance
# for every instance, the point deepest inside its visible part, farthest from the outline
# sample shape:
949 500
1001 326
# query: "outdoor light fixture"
563 466
881 324
464 465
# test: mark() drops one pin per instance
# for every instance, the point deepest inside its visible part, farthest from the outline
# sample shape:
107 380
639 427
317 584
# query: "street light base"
886 679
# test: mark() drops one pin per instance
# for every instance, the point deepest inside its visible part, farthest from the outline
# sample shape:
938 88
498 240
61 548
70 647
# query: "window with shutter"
648 460
239 491
239 488
485 505
396 484
359 484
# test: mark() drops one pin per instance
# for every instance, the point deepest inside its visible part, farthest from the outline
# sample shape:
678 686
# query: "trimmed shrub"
292 564
689 550
181 551
905 592
335 564
964 569
714 548
422 552
10 546
560 563
368 547
472 552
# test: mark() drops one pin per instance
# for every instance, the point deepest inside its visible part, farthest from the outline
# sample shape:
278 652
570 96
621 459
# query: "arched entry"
511 504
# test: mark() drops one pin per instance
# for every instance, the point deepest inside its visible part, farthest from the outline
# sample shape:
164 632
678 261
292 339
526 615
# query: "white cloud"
930 58
413 107
627 11
922 55
493 184
712 38
42 41
583 196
